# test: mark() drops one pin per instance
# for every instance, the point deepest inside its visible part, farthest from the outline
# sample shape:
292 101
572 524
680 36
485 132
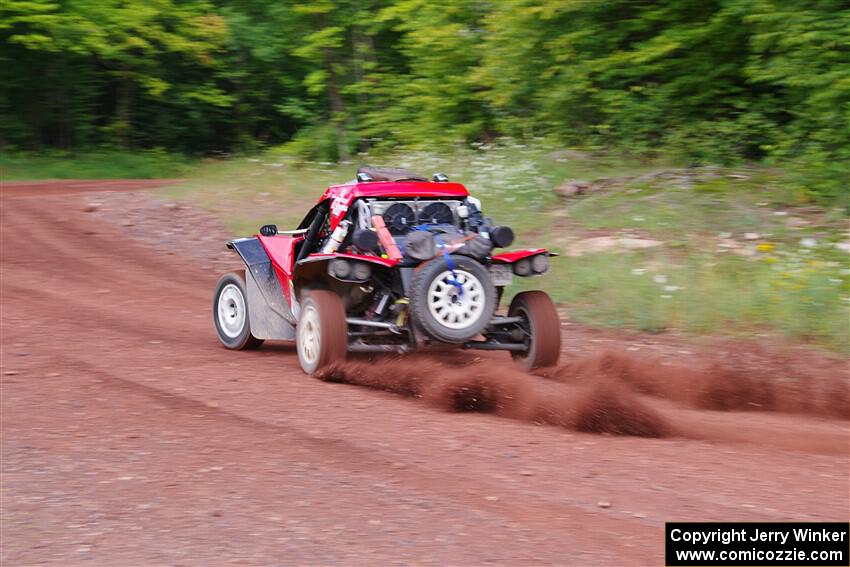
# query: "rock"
526 473
610 243
572 188
171 206
603 504
752 235
729 245
92 207
491 498
796 223
10 373
566 155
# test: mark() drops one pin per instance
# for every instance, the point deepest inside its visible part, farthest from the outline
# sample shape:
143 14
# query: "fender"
268 310
512 256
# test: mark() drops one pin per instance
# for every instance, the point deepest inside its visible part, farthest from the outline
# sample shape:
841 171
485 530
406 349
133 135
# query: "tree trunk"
337 108
364 52
122 110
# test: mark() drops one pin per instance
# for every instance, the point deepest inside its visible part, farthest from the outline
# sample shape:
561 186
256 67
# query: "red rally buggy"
389 262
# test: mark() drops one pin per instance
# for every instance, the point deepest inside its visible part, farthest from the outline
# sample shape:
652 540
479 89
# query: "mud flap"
270 316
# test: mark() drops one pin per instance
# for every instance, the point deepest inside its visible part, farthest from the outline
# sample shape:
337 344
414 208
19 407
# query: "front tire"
543 327
230 313
322 332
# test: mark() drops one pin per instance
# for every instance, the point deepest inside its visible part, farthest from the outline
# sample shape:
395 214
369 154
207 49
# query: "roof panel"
396 189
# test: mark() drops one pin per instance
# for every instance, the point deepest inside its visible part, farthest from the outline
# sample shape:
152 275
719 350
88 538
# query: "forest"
701 81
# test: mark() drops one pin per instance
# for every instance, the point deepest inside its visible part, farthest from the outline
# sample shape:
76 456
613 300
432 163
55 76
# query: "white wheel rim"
231 311
451 307
309 335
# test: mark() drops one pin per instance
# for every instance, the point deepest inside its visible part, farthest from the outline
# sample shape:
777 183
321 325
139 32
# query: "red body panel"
511 256
342 196
279 248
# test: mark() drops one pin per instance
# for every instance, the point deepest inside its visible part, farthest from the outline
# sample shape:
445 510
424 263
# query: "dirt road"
130 437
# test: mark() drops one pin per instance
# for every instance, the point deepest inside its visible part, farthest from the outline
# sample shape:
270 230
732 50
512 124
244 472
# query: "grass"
738 254
249 192
95 164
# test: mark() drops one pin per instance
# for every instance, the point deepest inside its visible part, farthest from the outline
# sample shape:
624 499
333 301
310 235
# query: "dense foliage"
704 80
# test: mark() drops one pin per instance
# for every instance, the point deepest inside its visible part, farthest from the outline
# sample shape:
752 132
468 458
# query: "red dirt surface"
131 437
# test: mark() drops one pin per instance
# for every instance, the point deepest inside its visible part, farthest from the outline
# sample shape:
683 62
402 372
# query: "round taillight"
540 263
362 271
340 269
523 267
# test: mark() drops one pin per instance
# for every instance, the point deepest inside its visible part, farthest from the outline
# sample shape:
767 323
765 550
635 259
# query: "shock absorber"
386 239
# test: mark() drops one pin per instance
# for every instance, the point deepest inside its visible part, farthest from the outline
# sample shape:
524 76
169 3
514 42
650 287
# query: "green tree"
801 50
433 96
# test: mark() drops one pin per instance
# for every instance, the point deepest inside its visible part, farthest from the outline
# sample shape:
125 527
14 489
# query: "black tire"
543 325
230 313
430 317
321 337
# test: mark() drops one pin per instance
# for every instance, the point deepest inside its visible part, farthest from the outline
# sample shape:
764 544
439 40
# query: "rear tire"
543 325
322 332
230 313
